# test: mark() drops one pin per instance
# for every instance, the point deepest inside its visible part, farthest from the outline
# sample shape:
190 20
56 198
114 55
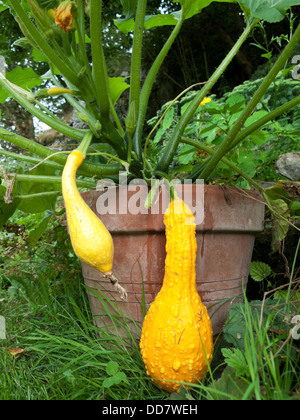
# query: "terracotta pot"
225 239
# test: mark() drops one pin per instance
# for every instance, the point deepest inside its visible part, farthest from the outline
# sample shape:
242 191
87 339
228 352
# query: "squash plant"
61 33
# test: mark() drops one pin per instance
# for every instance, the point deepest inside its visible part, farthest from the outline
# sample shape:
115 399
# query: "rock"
288 165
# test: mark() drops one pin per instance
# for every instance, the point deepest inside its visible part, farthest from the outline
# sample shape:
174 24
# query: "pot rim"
220 208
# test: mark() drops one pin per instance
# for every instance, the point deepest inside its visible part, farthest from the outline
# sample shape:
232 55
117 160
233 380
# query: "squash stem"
84 145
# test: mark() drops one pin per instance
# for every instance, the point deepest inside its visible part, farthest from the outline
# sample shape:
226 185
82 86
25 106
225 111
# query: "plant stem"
84 145
87 169
171 147
82 52
52 180
30 159
99 65
44 45
147 87
135 73
48 119
226 145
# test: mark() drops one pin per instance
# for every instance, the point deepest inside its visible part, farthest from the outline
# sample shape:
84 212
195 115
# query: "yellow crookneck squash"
91 241
177 340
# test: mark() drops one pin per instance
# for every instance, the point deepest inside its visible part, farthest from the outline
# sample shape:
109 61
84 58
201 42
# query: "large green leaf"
24 78
192 7
189 8
6 210
151 21
38 202
36 233
37 196
268 10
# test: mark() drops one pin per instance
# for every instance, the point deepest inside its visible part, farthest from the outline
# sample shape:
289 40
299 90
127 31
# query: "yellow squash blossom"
205 101
63 15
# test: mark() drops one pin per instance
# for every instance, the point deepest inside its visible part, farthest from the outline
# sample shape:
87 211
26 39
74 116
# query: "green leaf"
119 377
151 21
187 154
235 103
259 270
231 385
269 10
254 117
116 87
2 7
112 368
38 202
108 382
48 4
168 118
162 20
36 233
129 7
125 25
6 210
236 359
25 78
189 9
192 7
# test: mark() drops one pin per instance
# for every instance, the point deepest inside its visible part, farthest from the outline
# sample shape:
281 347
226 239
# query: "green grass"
67 358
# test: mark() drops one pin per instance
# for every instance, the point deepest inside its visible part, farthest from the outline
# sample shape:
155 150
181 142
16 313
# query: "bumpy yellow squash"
177 340
91 241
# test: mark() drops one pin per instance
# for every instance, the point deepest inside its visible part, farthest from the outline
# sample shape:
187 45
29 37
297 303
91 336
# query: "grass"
65 358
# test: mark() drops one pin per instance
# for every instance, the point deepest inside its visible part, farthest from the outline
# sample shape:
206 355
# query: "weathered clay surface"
225 240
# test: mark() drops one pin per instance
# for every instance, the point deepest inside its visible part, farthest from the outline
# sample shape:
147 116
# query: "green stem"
52 180
84 145
99 65
147 87
86 169
36 195
75 104
226 145
171 147
48 119
116 119
152 193
82 52
44 45
30 159
129 149
81 15
111 157
135 79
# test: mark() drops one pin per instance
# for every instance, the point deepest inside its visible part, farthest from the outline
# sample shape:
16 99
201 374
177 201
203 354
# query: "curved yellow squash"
91 241
177 338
